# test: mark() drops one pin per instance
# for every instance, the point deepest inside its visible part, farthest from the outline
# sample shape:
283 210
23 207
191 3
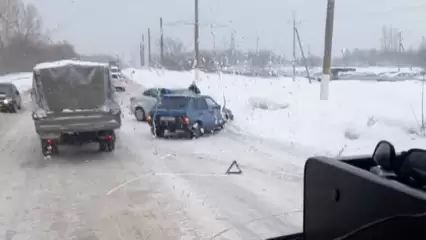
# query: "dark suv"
193 114
10 98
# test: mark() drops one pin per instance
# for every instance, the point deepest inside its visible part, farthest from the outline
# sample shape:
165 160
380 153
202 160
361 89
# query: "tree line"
24 42
177 57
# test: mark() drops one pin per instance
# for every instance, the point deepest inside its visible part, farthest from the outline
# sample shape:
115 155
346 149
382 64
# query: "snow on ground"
22 81
375 70
357 115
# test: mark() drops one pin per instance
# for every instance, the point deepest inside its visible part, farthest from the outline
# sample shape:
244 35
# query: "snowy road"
148 188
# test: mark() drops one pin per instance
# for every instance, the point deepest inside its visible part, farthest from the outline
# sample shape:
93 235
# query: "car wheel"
157 132
110 146
197 130
13 108
140 114
102 146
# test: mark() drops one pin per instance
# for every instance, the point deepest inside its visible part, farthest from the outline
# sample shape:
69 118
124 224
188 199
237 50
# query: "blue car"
190 113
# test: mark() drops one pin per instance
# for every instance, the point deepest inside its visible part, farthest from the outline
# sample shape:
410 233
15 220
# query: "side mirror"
217 107
384 155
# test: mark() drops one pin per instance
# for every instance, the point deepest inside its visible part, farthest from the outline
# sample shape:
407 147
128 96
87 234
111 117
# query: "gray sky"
115 26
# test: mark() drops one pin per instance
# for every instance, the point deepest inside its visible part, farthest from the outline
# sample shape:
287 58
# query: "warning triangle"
236 166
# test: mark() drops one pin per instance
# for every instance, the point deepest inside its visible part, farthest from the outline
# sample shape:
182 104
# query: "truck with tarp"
74 103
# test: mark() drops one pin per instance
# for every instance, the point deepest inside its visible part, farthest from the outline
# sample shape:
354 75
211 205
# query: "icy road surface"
148 188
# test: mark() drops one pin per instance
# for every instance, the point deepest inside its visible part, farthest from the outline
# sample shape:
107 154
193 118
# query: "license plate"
170 119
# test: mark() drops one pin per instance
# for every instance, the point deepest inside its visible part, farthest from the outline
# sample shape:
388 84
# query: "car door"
17 96
207 116
148 99
215 110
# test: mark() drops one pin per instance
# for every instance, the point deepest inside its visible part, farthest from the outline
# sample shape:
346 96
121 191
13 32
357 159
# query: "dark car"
193 114
10 98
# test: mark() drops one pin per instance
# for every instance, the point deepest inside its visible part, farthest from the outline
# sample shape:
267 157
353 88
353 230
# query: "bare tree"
9 20
30 23
173 46
22 41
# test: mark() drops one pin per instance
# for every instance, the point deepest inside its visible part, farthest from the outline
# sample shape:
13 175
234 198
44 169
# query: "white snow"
63 63
357 115
23 81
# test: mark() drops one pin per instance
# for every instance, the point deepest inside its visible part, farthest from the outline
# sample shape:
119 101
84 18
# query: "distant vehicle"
74 104
10 98
192 114
396 76
335 73
118 81
142 104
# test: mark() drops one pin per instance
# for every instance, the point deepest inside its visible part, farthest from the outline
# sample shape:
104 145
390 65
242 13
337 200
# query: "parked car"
118 81
190 113
142 104
10 98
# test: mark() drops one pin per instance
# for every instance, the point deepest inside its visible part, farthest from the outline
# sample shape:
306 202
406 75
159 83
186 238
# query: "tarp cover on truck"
72 85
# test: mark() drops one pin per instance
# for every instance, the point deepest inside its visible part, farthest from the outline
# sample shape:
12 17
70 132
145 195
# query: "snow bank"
23 81
62 63
357 115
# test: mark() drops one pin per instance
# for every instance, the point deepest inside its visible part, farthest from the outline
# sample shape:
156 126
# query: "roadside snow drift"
357 115
23 81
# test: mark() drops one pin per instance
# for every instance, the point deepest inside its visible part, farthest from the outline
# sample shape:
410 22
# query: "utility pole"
400 46
294 46
294 25
257 44
328 44
196 37
142 51
196 42
161 42
149 47
255 57
303 55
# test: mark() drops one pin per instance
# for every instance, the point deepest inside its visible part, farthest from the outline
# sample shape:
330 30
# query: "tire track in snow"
224 202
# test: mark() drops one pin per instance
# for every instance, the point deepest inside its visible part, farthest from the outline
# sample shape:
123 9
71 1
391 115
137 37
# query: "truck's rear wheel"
48 147
111 146
107 142
102 146
140 114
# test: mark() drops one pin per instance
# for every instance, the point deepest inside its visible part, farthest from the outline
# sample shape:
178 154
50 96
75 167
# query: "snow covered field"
357 115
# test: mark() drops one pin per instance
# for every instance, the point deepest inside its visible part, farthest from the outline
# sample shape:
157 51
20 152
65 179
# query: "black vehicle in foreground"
374 197
10 98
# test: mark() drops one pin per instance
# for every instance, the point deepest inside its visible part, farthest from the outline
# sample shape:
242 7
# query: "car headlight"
7 101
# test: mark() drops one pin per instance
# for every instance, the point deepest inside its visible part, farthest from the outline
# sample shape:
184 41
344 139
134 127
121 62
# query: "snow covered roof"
62 63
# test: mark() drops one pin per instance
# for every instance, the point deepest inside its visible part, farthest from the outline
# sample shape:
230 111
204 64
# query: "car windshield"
5 89
173 102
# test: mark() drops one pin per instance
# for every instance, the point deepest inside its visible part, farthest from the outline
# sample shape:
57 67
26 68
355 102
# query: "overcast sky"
115 26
